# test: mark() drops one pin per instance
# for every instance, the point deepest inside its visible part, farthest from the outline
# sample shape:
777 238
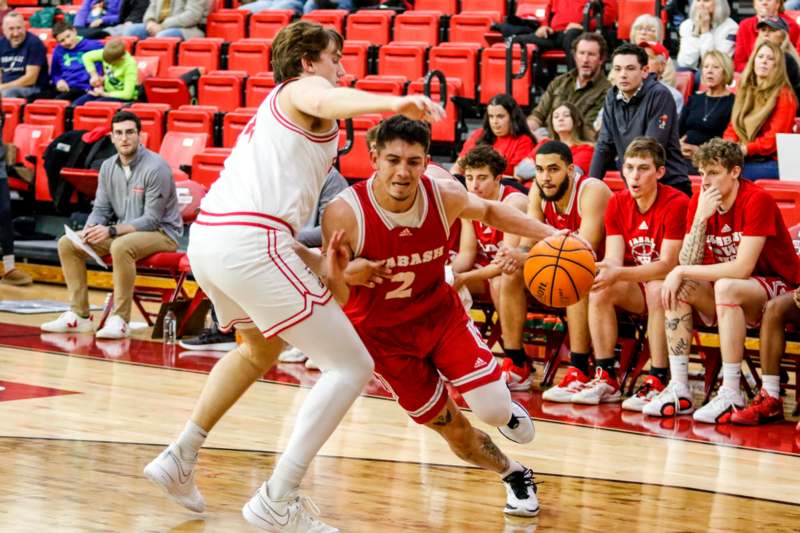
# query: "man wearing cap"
776 30
657 56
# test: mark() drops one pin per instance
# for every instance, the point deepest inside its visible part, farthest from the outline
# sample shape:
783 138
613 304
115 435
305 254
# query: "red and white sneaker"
764 408
69 322
572 382
114 328
720 408
674 400
649 390
518 379
602 389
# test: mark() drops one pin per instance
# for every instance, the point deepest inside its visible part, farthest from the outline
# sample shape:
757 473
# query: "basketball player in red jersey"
736 256
644 230
578 203
244 256
475 264
413 323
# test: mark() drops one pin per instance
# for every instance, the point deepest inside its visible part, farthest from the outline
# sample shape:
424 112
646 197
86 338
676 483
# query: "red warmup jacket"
747 35
780 121
562 12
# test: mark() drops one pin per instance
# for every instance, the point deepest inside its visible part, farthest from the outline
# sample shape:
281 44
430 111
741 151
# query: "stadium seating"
356 163
227 24
444 131
684 82
402 59
471 27
152 118
178 148
257 88
417 26
147 65
447 7
493 75
498 6
12 112
207 165
355 58
221 88
333 18
200 53
31 140
89 117
47 112
165 48
171 91
233 123
266 24
250 55
370 25
787 195
190 120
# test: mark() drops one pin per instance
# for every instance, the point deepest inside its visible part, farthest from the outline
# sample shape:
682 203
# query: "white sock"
731 375
679 368
191 440
513 466
772 385
8 263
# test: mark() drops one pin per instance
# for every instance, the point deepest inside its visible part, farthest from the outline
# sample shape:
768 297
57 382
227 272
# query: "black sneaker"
210 340
521 497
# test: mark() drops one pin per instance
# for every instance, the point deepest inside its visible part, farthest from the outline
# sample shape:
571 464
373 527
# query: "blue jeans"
21 92
311 5
761 170
92 98
140 31
263 5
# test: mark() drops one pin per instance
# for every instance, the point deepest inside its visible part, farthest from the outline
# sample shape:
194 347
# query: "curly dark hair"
484 155
719 151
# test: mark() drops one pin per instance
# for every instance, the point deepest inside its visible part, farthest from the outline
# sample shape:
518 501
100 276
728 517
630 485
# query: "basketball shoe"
292 514
114 328
572 382
521 497
69 322
602 389
720 408
674 400
175 475
764 408
518 379
520 428
649 390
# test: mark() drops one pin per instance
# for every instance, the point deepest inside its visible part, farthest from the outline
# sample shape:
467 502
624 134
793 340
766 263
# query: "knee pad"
491 403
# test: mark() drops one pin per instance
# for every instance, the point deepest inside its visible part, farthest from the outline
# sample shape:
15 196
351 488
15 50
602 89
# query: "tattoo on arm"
694 244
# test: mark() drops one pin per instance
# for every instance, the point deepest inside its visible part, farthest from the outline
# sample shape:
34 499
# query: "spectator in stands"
263 5
135 214
638 106
736 256
767 406
184 19
707 114
120 74
585 85
504 129
776 30
765 105
644 224
11 274
563 23
96 14
131 12
566 124
311 5
68 76
23 60
651 29
566 200
709 27
658 56
748 30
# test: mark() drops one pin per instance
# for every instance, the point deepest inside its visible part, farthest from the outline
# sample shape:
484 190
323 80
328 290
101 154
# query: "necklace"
706 111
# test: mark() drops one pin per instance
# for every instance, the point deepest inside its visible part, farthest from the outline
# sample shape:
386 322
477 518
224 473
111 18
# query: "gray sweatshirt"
310 235
147 201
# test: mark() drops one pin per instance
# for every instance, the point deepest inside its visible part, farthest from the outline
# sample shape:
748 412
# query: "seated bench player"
644 230
737 255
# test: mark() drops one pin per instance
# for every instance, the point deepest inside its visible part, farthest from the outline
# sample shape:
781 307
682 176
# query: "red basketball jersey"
488 237
417 290
571 218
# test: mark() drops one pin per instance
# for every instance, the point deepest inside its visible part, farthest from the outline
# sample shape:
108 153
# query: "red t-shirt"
644 232
581 154
754 214
514 149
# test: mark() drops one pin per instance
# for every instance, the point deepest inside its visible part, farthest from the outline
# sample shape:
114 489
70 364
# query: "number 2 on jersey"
405 279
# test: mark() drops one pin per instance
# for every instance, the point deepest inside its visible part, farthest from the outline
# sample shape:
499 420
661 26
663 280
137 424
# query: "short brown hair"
594 38
371 136
297 41
719 151
60 27
484 155
647 147
113 50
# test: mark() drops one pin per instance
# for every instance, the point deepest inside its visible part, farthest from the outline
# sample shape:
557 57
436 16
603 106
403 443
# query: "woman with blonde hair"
765 105
709 27
747 35
776 30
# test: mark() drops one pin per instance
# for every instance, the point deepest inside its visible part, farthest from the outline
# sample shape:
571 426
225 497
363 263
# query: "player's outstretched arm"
316 97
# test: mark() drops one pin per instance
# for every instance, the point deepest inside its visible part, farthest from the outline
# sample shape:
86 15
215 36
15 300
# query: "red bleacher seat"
371 25
447 7
207 165
201 53
388 85
614 181
356 163
257 88
443 131
45 34
250 55
457 61
190 121
417 26
787 195
471 27
227 24
536 8
12 112
266 24
88 117
50 112
484 5
165 48
684 82
30 140
333 18
493 75
355 57
172 91
147 65
402 59
114 106
179 147
220 89
233 123
152 119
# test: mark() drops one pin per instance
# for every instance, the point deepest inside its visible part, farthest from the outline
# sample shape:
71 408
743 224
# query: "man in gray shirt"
135 214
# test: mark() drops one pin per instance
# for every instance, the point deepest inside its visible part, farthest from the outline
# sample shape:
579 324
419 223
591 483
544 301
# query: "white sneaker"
292 355
175 476
311 365
114 328
520 428
69 322
651 387
602 389
720 408
573 381
521 497
293 514
674 400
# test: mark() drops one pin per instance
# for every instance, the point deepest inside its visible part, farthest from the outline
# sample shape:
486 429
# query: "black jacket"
650 112
132 10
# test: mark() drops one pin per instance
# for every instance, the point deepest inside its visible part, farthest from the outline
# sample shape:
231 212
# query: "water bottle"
170 328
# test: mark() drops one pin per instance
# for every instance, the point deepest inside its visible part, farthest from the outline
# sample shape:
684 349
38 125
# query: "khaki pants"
125 251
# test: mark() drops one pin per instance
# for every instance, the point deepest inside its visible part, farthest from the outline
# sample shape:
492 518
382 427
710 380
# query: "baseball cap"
774 22
658 48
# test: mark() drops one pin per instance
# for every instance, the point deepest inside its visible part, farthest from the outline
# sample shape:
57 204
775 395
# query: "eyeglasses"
124 133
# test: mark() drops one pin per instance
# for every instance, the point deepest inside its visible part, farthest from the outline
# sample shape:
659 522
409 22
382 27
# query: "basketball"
559 271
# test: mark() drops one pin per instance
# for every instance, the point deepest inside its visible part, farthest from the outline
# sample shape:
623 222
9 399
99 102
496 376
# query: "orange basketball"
559 271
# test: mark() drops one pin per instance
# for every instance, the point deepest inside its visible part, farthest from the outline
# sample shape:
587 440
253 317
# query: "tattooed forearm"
694 244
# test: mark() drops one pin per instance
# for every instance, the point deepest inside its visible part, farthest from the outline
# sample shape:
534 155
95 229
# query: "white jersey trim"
349 196
286 122
386 216
440 206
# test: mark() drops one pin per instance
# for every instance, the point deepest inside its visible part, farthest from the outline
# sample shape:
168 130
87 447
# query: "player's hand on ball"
586 243
605 277
418 107
368 273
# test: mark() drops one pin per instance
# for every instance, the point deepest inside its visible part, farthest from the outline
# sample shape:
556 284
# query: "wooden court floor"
71 455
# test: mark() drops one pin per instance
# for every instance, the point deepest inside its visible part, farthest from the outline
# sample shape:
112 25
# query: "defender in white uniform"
244 257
